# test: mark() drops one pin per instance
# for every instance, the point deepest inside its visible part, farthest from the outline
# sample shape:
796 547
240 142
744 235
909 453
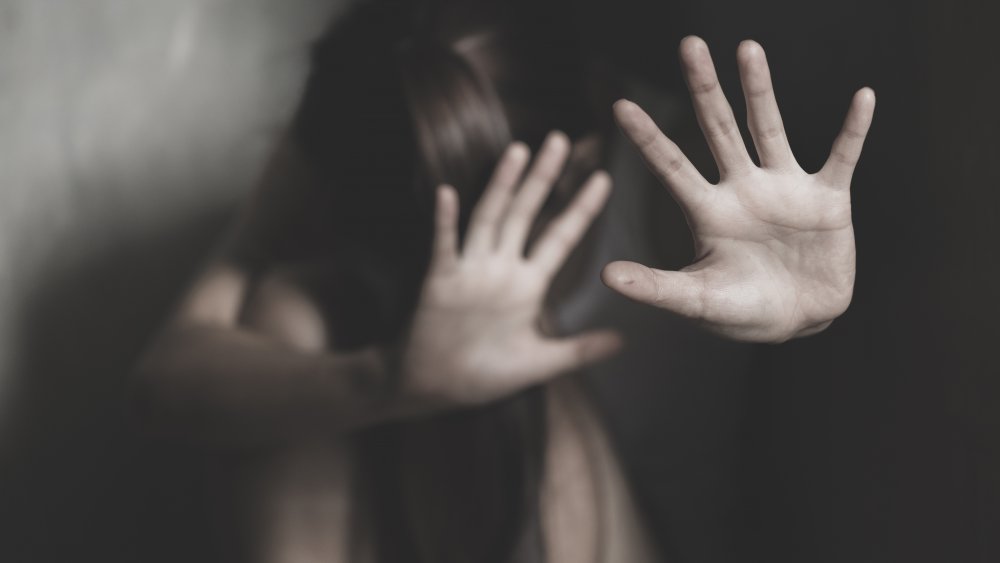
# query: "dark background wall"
128 131
878 440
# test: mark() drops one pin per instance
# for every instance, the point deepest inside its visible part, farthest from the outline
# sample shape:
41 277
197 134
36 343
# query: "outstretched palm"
774 245
476 333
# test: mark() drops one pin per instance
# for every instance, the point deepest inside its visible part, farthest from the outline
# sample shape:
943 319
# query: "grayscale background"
129 130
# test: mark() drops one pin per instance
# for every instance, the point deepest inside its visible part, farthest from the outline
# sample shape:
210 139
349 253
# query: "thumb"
679 292
561 355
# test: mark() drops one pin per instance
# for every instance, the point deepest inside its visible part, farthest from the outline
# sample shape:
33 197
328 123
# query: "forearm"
233 386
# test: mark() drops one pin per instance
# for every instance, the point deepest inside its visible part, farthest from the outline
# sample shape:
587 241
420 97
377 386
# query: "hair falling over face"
438 89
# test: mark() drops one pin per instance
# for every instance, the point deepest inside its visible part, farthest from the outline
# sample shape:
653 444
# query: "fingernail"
518 149
602 175
623 103
556 137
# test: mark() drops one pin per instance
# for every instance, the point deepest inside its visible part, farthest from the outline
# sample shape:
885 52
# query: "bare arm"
211 375
225 369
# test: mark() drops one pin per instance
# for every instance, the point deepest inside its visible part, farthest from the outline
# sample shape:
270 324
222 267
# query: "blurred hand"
774 245
475 335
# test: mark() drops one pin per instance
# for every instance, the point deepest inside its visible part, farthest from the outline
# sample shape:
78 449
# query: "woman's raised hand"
774 245
476 334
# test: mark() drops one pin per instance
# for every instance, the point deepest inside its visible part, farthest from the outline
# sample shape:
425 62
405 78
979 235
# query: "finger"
679 292
715 115
485 219
564 233
558 356
445 252
662 156
763 116
535 189
847 147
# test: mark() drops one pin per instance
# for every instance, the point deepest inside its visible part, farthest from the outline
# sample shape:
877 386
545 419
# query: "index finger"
536 187
715 115
485 220
564 233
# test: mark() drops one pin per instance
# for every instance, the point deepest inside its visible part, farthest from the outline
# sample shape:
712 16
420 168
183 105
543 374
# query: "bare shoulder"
250 259
283 305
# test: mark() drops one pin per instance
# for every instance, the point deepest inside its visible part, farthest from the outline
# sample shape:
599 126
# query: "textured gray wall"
122 121
128 130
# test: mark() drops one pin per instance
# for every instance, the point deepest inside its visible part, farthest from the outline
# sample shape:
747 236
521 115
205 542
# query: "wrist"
373 379
356 387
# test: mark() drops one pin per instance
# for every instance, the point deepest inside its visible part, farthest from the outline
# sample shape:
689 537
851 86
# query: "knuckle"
771 132
842 157
667 159
647 137
704 86
853 134
672 165
757 92
721 128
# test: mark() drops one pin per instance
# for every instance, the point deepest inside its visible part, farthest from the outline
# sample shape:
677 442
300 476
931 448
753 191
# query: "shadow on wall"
80 480
127 133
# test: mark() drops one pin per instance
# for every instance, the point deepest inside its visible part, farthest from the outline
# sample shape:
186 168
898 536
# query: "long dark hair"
404 96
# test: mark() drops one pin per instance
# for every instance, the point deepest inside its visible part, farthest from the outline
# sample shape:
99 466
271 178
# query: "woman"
379 327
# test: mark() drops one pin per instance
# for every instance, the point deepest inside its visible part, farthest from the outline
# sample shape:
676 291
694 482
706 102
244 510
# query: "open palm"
774 244
476 333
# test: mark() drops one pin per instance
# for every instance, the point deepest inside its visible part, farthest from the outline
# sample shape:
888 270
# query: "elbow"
158 405
151 410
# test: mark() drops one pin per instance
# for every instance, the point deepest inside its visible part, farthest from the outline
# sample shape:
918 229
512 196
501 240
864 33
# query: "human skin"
247 362
475 335
488 297
254 365
775 260
774 245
